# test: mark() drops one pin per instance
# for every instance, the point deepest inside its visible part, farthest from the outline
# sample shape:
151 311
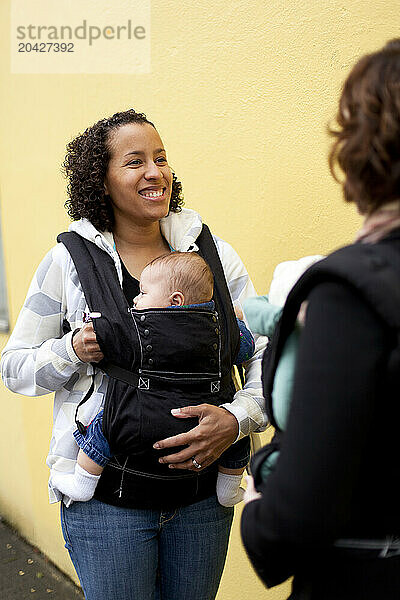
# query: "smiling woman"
156 509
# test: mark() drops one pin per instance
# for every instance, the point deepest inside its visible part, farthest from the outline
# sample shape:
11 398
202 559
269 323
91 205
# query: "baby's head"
173 280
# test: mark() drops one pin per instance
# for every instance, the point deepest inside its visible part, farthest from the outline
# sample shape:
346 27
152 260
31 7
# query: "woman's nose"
153 171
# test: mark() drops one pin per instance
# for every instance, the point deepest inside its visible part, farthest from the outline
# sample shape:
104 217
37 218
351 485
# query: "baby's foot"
79 486
229 491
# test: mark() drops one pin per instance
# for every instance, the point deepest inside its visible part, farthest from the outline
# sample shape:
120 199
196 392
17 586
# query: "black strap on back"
367 269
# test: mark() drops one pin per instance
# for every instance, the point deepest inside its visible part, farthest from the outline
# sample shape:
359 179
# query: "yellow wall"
242 93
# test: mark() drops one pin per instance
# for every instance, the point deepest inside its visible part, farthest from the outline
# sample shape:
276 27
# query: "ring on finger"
195 463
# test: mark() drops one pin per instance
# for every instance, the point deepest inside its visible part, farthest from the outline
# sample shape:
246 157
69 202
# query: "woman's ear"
177 299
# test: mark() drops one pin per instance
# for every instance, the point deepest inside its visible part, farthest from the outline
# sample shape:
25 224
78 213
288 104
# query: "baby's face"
153 292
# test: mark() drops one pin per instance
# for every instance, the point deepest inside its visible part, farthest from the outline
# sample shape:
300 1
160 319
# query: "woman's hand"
216 431
251 492
85 344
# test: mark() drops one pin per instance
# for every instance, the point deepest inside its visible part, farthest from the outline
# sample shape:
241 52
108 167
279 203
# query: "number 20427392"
46 47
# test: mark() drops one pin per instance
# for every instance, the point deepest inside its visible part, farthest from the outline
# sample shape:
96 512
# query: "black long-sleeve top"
338 471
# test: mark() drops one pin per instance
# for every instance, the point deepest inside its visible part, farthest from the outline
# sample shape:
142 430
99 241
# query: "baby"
178 279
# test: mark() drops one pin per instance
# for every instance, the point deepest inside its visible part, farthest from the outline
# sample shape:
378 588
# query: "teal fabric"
261 315
262 318
284 379
269 465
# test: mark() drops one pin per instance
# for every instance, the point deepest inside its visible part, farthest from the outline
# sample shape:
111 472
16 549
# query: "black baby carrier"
157 359
368 270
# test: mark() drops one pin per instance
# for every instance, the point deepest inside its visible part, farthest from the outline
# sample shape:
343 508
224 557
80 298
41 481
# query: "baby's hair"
188 273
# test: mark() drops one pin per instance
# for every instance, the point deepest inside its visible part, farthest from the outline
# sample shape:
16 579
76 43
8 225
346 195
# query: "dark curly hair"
367 145
85 167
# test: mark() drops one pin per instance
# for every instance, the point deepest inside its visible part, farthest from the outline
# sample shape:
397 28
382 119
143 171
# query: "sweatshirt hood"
179 229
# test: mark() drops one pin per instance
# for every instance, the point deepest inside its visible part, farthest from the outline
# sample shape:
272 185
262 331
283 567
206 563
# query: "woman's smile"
153 193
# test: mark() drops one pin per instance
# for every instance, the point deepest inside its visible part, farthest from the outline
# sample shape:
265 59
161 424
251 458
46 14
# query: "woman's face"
138 178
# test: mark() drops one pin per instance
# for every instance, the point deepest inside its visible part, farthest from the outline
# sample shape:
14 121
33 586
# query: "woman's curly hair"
85 167
367 145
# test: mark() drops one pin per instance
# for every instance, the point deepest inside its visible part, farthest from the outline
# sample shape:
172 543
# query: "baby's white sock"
79 486
229 491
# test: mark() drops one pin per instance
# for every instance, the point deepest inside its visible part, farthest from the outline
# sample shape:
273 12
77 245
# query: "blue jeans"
134 554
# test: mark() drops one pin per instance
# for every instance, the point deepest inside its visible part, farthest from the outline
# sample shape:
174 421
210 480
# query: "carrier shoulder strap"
222 297
365 268
368 268
103 293
86 256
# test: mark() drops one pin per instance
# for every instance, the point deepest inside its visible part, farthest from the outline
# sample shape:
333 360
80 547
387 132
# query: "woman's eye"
161 159
136 162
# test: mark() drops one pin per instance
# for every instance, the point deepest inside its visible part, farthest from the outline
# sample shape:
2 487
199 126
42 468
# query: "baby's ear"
177 299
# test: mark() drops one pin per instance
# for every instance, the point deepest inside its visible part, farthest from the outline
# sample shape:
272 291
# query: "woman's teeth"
153 194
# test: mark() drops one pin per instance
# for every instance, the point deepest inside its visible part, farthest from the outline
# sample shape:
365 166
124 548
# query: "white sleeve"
248 405
38 358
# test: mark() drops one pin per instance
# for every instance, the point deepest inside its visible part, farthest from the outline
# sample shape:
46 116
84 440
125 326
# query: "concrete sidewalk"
26 573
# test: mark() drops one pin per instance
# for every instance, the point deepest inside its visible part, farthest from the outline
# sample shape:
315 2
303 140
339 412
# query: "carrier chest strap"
144 380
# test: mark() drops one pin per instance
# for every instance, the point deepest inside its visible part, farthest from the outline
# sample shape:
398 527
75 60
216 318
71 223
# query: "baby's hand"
238 312
251 492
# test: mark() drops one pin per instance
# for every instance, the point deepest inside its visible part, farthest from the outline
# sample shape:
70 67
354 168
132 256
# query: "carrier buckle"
144 383
215 387
81 428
